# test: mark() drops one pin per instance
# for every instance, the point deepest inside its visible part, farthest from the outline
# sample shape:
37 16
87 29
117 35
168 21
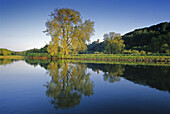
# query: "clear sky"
22 21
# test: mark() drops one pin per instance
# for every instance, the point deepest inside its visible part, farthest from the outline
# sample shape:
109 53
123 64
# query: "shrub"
127 51
135 52
149 53
142 52
96 52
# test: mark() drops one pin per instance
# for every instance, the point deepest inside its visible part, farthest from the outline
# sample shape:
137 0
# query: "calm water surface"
36 86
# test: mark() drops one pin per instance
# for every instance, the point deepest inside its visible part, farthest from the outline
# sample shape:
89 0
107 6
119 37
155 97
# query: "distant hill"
154 39
41 50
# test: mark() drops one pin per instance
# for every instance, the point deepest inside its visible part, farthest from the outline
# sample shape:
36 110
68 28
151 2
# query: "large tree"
113 43
68 31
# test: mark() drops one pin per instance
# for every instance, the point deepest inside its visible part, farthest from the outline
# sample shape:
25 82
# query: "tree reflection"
68 83
153 76
112 73
6 61
36 62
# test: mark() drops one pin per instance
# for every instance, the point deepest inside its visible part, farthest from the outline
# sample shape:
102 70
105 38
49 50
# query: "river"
38 86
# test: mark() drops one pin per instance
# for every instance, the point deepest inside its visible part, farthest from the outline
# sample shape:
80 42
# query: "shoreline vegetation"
107 57
46 60
138 59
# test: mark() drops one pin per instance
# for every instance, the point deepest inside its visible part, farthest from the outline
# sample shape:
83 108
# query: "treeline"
154 39
41 50
5 52
95 48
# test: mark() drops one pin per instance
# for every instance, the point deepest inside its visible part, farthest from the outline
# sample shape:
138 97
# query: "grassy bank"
121 62
12 57
118 57
108 57
46 62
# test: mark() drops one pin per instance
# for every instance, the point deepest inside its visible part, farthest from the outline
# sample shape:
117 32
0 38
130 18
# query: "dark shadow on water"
153 76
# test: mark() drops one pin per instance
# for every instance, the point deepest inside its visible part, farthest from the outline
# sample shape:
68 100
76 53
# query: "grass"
109 57
119 57
36 61
12 57
120 62
38 55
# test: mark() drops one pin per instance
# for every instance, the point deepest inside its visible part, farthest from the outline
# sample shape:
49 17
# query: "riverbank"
107 57
152 58
12 57
47 61
120 57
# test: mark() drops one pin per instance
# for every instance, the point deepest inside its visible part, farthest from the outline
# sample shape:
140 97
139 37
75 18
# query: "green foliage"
38 55
142 52
41 50
95 47
127 51
135 52
152 39
5 52
149 53
113 43
96 52
53 49
135 57
67 30
20 53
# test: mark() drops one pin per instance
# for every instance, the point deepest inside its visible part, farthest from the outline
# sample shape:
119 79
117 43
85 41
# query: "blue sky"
22 21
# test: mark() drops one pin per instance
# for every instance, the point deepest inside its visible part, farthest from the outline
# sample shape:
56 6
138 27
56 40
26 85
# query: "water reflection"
7 61
35 62
112 73
154 76
68 84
